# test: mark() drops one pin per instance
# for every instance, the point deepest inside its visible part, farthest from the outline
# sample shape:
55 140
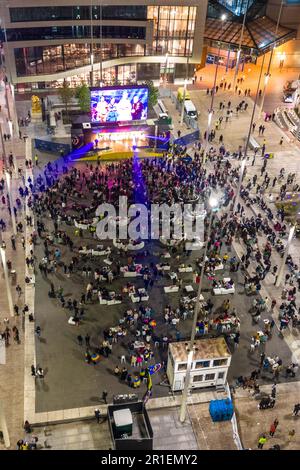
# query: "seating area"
226 286
287 119
131 271
171 289
253 143
139 295
110 299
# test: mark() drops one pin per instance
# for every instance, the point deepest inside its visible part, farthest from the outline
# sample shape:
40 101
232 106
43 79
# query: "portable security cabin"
209 366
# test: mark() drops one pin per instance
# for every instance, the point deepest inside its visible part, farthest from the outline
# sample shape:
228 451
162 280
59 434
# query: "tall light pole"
236 198
11 130
92 46
3 427
6 278
268 75
240 48
285 255
213 202
184 88
211 110
166 67
101 46
183 101
12 214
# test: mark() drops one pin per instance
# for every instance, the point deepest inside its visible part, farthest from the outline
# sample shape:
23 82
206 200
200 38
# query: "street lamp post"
240 47
3 147
268 75
12 214
211 110
11 130
247 141
166 67
3 427
92 46
183 101
184 89
285 255
6 278
213 202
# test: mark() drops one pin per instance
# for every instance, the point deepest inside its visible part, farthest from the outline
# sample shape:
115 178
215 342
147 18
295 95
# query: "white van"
190 109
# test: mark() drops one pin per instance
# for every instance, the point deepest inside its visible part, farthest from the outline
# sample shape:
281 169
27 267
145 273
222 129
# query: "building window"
201 364
173 29
76 32
182 366
68 13
221 375
220 362
197 378
210 376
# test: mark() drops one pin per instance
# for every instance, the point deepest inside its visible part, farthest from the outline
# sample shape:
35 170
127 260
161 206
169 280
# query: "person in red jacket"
273 427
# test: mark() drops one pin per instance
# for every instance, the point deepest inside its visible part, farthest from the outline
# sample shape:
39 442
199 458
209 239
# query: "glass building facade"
45 41
238 7
58 58
65 13
173 29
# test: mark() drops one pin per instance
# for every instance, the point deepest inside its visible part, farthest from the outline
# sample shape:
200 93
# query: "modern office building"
289 11
119 43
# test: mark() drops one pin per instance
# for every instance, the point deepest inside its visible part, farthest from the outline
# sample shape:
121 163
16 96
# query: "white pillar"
3 427
286 252
183 101
193 332
186 387
12 214
237 197
7 284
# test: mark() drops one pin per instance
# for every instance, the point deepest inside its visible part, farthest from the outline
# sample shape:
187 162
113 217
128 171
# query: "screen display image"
119 104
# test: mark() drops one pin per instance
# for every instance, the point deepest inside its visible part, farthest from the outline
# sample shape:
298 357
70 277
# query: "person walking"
13 242
291 435
80 340
273 427
97 415
87 340
296 409
281 141
261 441
104 396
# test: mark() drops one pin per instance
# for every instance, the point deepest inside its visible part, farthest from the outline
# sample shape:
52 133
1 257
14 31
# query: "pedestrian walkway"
82 435
253 422
12 373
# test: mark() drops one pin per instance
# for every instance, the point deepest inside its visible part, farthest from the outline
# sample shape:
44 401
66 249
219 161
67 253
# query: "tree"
153 92
66 94
83 96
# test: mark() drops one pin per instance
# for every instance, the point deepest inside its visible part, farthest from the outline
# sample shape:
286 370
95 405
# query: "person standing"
273 427
291 435
261 441
281 141
13 242
80 340
87 340
97 415
296 409
104 396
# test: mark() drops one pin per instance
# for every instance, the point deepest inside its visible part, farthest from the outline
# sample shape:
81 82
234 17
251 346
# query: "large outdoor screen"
119 104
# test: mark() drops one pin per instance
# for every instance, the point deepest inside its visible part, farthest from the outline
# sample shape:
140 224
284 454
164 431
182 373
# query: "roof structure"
259 34
212 348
